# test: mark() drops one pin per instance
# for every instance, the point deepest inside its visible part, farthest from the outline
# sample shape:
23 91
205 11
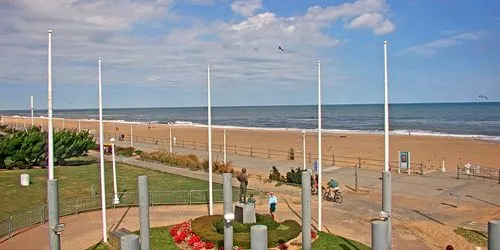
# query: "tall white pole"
304 148
170 140
115 188
101 154
319 150
52 184
131 135
386 112
386 175
32 112
211 209
225 155
50 157
79 126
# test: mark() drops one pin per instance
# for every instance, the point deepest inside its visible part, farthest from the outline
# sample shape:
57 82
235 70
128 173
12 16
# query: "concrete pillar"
387 201
144 211
228 209
306 210
380 229
53 209
130 242
494 234
258 237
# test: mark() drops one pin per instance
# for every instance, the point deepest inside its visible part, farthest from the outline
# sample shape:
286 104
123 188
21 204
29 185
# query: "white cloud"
141 43
431 48
246 7
373 21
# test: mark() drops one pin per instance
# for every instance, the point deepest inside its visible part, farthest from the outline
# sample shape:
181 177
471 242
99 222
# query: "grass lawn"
159 239
77 181
330 241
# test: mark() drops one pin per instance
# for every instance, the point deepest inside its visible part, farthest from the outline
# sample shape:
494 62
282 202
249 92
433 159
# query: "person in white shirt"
273 201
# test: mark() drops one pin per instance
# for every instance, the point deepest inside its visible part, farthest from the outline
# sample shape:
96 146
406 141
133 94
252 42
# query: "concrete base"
244 212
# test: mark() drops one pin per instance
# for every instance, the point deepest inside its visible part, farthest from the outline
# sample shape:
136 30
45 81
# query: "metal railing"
469 170
271 153
328 158
39 215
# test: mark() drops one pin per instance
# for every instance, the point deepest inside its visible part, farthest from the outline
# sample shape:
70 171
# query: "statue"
243 179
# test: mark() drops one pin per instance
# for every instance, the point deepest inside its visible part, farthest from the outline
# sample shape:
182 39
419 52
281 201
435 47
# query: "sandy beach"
341 149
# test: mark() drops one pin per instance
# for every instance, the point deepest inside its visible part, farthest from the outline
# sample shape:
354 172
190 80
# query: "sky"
155 53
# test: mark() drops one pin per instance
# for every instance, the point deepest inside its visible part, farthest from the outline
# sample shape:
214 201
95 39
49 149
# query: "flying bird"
281 49
482 96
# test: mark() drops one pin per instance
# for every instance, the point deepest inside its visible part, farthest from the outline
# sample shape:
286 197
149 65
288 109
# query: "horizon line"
273 105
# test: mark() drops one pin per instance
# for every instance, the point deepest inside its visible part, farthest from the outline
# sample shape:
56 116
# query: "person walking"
273 202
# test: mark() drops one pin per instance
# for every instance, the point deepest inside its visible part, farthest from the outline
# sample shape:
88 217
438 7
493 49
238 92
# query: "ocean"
478 120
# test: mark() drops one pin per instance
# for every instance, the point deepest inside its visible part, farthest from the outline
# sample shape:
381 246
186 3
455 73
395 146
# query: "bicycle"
332 196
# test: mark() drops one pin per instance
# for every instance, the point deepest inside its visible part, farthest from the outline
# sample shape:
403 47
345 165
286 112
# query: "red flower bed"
184 236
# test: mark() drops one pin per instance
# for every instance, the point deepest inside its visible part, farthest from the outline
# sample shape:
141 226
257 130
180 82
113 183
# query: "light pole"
131 135
170 131
101 153
225 155
304 148
31 108
210 194
115 199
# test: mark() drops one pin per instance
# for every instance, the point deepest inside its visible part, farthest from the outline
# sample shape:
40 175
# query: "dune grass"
473 236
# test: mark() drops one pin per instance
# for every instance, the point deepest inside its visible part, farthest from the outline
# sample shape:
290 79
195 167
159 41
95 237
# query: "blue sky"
155 53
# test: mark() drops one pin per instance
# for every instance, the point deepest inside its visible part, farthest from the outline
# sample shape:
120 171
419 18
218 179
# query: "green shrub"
275 175
207 228
294 176
26 148
138 152
240 227
128 151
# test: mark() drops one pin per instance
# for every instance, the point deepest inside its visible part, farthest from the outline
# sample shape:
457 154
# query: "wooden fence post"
268 153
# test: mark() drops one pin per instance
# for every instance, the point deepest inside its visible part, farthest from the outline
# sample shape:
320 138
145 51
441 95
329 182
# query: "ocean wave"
346 131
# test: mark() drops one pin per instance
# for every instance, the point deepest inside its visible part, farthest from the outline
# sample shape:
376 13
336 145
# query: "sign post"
404 161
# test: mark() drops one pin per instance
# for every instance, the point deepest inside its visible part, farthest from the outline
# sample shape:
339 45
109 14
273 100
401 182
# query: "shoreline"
424 133
339 149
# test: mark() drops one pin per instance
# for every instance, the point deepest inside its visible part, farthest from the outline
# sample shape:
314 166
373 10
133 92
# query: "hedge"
240 227
204 227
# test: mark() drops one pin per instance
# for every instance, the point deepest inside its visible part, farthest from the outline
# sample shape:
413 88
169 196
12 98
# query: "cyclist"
333 185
